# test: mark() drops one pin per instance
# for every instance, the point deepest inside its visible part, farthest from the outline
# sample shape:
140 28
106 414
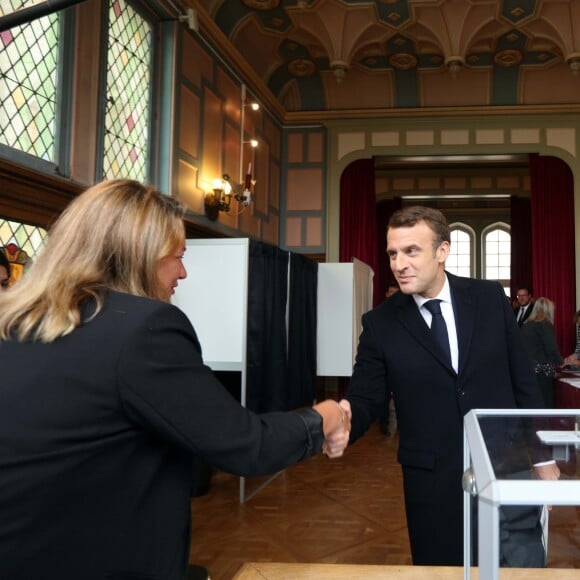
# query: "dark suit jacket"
397 353
526 313
97 431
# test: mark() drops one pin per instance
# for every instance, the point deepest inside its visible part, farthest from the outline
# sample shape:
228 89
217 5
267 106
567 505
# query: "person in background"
524 306
392 288
444 345
4 271
574 358
104 398
539 340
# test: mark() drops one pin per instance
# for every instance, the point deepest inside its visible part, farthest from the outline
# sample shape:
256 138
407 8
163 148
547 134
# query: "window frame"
465 228
63 96
502 226
154 21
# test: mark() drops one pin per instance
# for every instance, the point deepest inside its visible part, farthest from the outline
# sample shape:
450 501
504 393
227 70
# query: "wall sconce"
223 189
223 192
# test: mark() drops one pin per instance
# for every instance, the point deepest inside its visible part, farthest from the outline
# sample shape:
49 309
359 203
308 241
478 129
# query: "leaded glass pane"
26 237
28 76
128 93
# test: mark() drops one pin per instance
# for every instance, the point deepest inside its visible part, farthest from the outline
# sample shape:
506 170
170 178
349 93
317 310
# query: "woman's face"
3 278
170 270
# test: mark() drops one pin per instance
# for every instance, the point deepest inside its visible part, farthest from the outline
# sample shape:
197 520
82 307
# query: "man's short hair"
409 216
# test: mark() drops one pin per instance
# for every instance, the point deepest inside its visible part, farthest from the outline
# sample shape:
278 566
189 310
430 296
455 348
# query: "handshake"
336 418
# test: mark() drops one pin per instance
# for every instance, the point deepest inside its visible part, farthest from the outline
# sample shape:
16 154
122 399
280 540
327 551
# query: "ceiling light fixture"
454 65
573 62
339 69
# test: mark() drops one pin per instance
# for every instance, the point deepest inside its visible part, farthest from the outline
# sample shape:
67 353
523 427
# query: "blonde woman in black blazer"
104 398
540 342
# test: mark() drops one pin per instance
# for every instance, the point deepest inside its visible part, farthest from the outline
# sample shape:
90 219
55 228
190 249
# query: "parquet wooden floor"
345 511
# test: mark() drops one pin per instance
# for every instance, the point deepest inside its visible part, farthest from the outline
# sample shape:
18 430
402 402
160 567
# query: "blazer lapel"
409 316
464 312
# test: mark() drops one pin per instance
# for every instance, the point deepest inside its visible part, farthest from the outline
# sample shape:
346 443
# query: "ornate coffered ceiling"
348 56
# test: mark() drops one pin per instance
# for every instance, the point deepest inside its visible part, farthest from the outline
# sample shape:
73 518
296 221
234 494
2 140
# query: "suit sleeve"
367 387
166 389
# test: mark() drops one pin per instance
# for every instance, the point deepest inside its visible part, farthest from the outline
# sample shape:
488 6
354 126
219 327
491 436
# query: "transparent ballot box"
507 504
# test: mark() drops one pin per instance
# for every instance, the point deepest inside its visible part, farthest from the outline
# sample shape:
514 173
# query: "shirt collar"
444 295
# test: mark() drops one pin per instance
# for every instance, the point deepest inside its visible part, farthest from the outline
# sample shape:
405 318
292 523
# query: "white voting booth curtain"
345 293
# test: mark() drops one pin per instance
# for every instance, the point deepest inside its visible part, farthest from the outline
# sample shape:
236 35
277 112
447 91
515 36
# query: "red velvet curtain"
385 210
553 255
521 234
358 222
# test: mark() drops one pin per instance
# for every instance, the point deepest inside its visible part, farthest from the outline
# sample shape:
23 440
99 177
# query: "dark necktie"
521 316
438 327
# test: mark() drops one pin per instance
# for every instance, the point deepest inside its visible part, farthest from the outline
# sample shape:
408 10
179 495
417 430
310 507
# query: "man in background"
392 288
525 305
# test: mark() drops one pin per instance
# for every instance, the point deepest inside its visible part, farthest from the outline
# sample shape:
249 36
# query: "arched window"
128 93
497 248
460 261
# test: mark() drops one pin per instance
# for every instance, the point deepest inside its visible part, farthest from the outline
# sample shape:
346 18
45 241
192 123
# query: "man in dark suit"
525 306
481 363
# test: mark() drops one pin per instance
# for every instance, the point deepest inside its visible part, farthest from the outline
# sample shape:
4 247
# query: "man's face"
418 268
523 297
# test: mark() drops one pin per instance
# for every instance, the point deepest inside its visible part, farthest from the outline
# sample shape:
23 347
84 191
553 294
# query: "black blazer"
397 353
539 338
97 431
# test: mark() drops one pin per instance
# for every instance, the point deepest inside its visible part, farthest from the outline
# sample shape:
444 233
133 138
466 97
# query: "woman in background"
540 342
4 271
104 399
574 358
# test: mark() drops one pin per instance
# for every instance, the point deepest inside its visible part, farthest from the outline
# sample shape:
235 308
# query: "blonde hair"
543 310
111 237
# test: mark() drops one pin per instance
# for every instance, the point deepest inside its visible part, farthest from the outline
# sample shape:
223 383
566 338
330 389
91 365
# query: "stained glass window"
128 93
26 237
20 243
28 83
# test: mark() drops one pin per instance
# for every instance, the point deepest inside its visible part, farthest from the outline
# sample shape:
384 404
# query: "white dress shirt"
448 316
